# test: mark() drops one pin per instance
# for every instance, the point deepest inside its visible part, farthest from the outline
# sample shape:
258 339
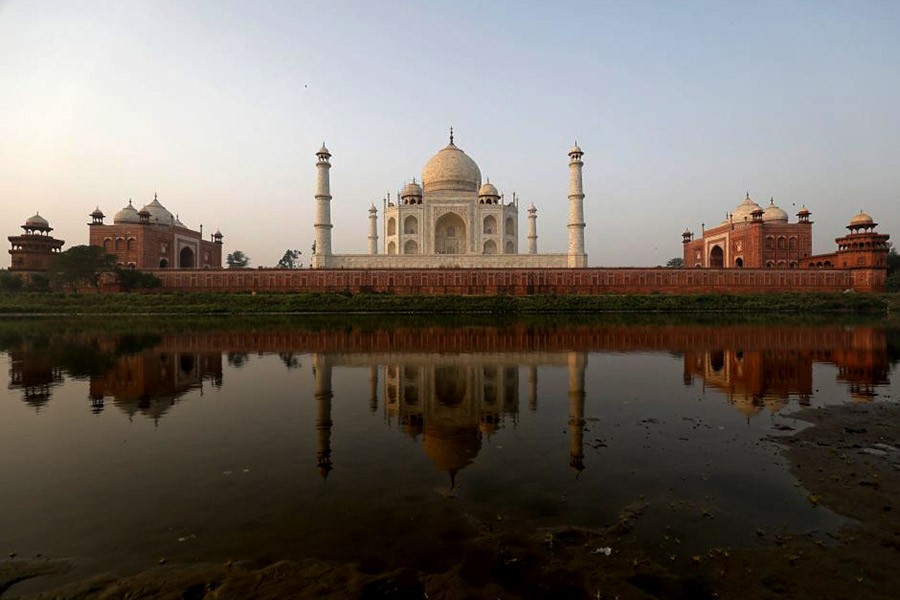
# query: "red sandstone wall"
523 281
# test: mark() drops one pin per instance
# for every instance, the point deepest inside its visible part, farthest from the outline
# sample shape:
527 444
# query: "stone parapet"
523 281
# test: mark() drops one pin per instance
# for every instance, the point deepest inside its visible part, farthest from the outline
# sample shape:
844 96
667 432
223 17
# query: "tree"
81 265
10 282
237 260
675 263
132 279
290 260
893 261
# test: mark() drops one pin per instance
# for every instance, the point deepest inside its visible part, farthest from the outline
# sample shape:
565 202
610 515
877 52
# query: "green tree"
81 265
132 279
290 260
893 261
237 260
10 282
675 263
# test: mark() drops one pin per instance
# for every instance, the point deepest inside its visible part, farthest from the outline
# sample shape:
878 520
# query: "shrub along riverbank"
245 303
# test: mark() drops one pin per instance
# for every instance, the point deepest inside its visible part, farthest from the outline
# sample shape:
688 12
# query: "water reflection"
339 434
450 388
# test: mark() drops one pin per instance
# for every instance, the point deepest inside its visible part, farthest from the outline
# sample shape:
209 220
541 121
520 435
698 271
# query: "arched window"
131 243
792 244
826 264
510 248
769 264
793 264
490 225
510 226
782 243
120 244
410 226
770 243
107 244
392 248
410 247
392 226
490 247
739 262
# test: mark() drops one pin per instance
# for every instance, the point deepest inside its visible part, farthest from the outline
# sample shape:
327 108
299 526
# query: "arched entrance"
739 263
163 263
410 247
490 247
186 258
716 257
450 235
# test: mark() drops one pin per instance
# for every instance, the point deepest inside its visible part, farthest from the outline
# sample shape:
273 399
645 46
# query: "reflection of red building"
32 251
33 372
152 381
767 378
154 238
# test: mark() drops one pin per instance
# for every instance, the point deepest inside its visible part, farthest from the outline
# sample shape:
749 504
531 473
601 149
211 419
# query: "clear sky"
680 107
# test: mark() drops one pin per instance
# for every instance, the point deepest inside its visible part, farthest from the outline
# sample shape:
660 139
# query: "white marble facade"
450 220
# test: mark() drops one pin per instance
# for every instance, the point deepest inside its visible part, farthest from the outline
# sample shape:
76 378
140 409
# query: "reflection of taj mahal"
451 402
450 220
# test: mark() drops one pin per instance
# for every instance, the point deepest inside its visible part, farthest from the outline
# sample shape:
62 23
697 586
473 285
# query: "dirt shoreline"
849 462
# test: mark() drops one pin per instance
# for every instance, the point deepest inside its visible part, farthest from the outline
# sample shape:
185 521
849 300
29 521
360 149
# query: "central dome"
451 169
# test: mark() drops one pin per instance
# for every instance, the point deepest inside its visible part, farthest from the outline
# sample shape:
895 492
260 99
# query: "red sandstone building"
755 238
32 251
154 238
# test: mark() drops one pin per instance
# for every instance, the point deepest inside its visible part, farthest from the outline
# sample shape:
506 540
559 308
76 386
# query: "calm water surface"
124 443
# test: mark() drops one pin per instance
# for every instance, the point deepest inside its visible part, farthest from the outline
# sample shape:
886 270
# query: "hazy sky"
680 107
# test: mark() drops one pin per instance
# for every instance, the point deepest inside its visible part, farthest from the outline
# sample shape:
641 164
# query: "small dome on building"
862 219
158 213
774 213
744 210
411 189
451 169
127 215
37 222
803 211
323 150
97 213
576 149
488 189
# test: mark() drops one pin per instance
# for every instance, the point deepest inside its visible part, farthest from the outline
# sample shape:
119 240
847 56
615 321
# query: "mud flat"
848 462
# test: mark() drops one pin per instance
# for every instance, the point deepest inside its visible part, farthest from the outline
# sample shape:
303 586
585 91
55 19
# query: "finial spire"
451 135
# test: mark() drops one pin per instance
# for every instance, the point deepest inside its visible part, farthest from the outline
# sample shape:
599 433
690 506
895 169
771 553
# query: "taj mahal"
450 220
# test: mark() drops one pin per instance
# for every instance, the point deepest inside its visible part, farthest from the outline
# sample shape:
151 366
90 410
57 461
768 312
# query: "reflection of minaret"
373 389
323 395
532 389
577 362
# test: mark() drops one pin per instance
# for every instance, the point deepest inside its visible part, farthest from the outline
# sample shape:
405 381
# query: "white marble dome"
744 210
488 189
774 214
127 215
158 213
411 189
451 169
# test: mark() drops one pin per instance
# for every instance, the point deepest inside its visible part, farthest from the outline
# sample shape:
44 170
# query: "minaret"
373 388
373 229
323 209
532 389
577 361
323 395
577 257
532 229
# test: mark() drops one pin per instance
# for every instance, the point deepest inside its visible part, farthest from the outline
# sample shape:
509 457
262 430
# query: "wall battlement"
521 282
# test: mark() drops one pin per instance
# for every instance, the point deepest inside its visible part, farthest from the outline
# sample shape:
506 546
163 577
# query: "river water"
378 441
